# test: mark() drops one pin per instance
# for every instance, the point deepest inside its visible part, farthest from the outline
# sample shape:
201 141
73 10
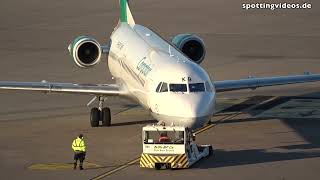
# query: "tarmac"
270 133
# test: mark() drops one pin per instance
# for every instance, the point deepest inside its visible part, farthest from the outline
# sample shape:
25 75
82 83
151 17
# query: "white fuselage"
140 60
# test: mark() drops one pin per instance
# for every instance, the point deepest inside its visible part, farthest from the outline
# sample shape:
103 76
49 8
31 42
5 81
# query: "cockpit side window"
178 87
164 87
196 87
158 87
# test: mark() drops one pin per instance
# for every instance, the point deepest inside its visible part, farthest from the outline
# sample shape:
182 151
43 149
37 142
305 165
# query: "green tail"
125 13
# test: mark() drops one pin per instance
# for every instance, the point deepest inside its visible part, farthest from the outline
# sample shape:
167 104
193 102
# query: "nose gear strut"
99 113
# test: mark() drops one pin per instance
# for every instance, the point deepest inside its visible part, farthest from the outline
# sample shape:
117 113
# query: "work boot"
74 165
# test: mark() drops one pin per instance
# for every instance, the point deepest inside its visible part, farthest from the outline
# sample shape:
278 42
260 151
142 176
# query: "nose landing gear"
100 114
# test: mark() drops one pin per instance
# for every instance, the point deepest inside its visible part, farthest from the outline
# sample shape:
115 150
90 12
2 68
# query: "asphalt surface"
37 129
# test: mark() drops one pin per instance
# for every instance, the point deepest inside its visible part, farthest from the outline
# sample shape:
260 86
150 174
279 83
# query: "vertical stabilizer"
125 13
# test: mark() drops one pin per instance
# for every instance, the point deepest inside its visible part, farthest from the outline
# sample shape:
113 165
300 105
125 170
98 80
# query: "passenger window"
158 87
164 87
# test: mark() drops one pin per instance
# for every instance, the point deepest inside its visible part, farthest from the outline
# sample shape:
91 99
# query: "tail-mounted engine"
191 45
86 51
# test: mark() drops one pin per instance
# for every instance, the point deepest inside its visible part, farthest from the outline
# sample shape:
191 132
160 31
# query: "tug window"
178 87
157 137
196 87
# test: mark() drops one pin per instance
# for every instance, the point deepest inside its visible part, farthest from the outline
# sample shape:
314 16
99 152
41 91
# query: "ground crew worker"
79 148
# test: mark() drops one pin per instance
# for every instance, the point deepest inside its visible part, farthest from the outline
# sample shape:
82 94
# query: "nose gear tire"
94 117
106 116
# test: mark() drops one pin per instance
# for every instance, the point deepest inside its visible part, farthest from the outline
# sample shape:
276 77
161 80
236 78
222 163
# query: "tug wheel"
157 166
210 150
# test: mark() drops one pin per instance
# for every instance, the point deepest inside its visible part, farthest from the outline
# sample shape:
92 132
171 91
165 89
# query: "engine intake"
86 51
191 45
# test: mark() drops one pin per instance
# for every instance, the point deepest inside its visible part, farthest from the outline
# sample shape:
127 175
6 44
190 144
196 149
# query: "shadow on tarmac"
308 129
222 158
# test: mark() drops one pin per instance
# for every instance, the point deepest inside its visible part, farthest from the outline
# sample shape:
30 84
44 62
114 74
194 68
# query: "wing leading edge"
48 87
253 83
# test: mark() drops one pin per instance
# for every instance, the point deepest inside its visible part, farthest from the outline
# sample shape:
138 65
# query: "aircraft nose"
200 106
179 107
189 110
188 105
199 112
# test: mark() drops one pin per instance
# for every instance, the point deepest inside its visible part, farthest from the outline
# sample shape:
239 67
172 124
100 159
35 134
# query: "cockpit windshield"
197 87
162 87
178 87
193 87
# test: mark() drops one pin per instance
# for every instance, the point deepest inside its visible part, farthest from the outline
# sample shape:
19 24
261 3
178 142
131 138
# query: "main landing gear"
100 114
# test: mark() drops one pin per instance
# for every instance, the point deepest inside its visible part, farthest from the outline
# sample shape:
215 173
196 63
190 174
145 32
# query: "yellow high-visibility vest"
79 145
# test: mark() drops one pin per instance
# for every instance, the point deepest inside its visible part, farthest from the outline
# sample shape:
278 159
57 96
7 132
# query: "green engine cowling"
191 45
86 51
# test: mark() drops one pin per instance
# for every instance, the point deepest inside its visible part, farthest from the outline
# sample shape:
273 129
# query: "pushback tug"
170 147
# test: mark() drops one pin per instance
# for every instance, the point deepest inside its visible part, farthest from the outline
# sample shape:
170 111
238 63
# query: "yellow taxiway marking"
226 117
59 166
116 169
108 173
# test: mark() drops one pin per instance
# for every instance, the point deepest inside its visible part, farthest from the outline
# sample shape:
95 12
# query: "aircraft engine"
86 51
191 45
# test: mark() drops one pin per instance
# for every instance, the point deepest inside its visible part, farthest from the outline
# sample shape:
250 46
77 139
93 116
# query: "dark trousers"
79 155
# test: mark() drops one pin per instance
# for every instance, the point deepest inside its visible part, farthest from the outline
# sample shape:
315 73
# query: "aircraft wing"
253 83
49 87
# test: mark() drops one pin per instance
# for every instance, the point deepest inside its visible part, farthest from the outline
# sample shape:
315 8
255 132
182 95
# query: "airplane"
164 77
